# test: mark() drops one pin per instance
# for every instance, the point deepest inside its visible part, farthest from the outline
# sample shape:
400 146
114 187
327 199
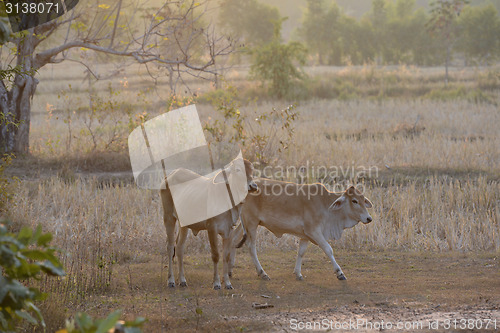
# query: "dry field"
432 251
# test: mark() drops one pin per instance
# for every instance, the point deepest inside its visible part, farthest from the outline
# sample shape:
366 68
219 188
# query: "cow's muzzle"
368 220
252 187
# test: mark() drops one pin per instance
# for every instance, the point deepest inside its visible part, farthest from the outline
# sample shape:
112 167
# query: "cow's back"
283 207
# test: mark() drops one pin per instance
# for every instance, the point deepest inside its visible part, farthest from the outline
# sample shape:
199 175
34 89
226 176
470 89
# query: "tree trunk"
15 105
447 64
6 121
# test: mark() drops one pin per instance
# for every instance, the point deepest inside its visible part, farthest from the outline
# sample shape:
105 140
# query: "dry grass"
438 215
457 135
442 144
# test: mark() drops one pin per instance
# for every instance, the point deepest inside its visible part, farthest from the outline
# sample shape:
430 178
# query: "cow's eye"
355 202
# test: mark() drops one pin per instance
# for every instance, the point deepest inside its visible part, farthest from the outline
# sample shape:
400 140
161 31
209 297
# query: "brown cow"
221 224
310 212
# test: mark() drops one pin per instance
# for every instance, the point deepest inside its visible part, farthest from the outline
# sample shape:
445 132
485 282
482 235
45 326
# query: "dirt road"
384 291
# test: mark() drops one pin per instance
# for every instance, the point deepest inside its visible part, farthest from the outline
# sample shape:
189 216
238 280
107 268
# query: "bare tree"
173 36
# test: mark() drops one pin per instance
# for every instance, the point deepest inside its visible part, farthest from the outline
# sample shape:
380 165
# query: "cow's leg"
212 237
252 236
235 235
181 240
226 244
169 222
298 264
323 244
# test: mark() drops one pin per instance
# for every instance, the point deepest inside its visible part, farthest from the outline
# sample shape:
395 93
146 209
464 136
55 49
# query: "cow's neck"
334 224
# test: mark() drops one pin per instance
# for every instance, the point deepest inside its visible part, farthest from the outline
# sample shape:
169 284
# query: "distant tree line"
393 32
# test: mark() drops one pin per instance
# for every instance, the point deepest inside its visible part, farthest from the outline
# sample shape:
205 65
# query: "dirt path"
375 319
383 290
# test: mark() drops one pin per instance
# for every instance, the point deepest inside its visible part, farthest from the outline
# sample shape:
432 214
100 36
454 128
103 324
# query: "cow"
310 212
221 224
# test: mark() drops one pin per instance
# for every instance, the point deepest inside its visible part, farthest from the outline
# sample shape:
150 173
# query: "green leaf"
17 290
37 311
3 290
35 254
11 240
27 270
37 234
8 257
139 321
3 321
44 239
49 268
24 235
199 311
25 315
109 322
84 321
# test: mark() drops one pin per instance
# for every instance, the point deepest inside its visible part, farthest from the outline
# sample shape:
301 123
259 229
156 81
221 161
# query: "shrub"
275 62
83 323
24 256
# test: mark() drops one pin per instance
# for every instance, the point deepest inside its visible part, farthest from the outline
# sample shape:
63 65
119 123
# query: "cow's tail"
240 228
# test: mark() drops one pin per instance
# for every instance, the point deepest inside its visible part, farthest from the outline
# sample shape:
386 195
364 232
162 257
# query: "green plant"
262 136
276 62
277 138
83 323
177 101
24 256
226 103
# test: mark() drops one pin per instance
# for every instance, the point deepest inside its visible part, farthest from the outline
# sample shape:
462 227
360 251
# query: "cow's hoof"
183 284
265 277
341 277
217 287
171 284
229 286
299 277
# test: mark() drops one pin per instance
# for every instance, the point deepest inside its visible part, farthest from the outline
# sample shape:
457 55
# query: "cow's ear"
337 203
368 203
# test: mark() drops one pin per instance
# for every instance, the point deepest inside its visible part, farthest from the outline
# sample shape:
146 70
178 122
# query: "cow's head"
252 187
235 168
354 205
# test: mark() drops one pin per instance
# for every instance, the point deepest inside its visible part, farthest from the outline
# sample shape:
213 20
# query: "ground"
406 287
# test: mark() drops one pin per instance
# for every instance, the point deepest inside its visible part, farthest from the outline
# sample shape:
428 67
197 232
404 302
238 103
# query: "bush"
83 323
24 256
275 62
